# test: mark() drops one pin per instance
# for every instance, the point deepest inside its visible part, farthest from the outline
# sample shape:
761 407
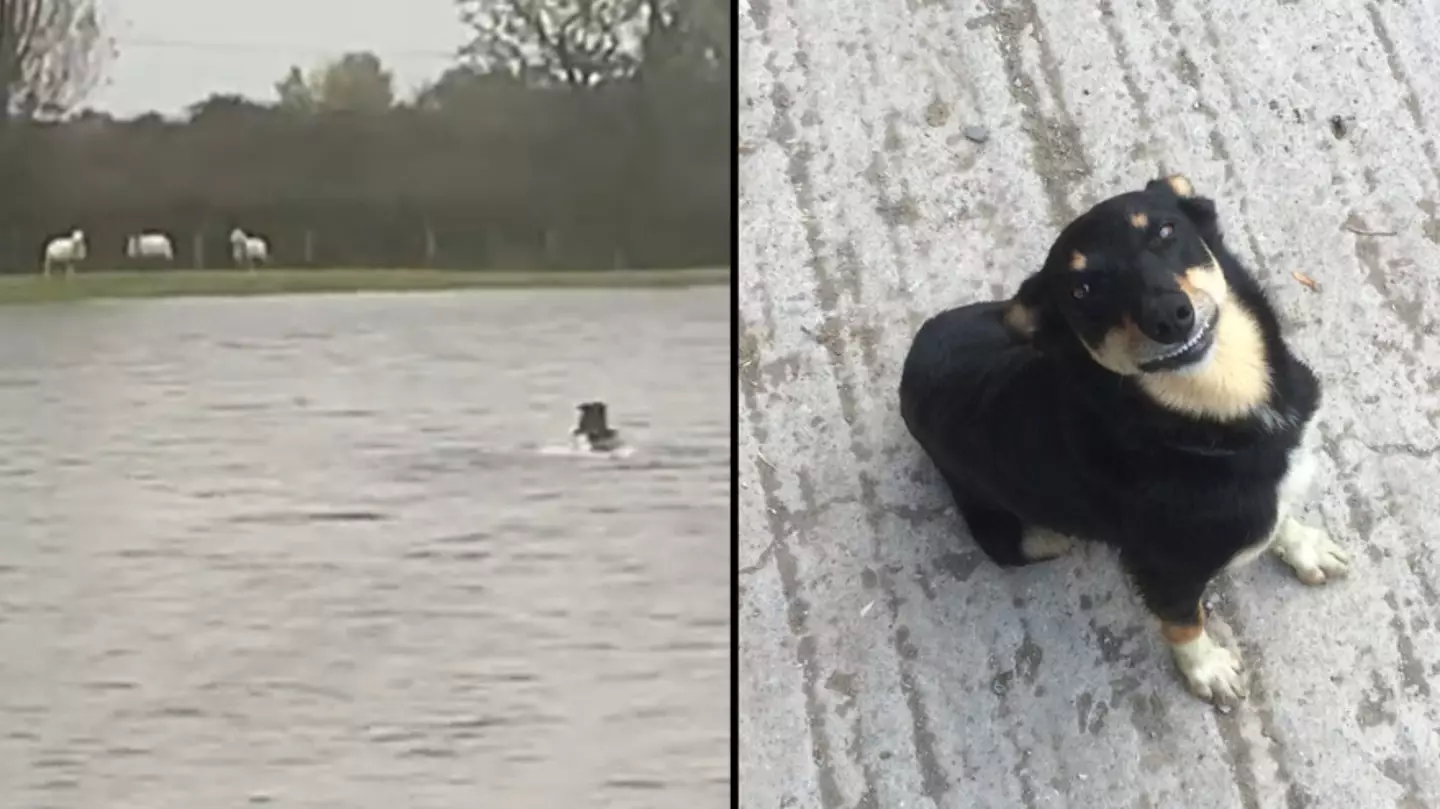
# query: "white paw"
1311 553
1038 544
1212 671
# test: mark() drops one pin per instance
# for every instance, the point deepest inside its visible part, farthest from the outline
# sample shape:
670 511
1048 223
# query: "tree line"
572 134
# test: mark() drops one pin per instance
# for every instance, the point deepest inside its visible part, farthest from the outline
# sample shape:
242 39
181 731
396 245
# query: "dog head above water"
1135 280
592 419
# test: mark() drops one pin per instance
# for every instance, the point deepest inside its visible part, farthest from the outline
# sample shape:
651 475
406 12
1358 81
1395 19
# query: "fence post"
197 247
309 247
430 246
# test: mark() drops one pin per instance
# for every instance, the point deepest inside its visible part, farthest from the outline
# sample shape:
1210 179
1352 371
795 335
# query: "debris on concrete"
1356 229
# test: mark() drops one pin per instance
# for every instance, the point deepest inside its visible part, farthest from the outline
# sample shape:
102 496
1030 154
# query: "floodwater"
310 552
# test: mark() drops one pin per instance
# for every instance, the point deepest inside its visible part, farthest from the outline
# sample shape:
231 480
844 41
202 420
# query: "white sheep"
66 250
248 250
150 246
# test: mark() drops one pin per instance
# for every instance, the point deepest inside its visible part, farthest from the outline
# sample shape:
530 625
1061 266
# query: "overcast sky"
175 52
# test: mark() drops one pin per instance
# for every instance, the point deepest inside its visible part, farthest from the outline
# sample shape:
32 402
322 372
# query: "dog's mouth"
1193 350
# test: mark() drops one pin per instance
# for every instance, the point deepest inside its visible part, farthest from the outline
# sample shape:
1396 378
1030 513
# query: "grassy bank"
162 283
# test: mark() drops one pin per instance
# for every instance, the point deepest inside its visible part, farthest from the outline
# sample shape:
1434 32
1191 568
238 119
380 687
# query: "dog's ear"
1028 313
1176 184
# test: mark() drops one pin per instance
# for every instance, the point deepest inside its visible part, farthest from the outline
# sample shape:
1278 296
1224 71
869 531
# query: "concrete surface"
883 662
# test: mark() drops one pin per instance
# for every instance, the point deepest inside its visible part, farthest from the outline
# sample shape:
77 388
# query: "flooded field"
312 552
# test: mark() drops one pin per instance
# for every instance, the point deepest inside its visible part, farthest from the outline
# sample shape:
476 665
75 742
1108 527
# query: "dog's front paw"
1311 553
1213 672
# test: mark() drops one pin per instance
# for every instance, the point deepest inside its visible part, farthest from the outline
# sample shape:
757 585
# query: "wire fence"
417 245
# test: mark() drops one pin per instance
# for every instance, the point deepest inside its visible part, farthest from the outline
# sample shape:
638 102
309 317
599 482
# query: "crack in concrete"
1407 448
766 554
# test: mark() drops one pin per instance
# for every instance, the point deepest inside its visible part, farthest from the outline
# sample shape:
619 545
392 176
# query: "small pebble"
977 133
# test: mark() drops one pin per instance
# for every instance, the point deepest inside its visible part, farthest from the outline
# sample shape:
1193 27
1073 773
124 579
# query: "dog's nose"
1167 318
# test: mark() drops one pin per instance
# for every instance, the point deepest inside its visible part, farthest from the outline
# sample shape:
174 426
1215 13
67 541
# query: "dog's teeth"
1193 341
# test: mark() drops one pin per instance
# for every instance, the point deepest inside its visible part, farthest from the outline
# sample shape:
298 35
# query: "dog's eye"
1080 290
1166 231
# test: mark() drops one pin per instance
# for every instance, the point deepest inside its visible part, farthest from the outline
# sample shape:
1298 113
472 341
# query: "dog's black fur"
595 428
1029 429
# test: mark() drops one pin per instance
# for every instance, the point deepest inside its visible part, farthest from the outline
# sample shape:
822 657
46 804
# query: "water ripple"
308 552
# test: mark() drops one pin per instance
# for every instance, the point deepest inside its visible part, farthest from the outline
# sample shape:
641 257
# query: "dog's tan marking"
1180 184
1210 279
1077 261
1176 634
1140 221
1236 381
1233 385
1211 671
1117 351
1020 319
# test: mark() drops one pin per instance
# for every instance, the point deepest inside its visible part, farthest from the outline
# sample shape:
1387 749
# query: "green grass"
166 283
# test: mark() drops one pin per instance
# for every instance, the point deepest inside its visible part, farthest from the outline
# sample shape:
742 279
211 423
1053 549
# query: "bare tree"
685 40
579 43
52 55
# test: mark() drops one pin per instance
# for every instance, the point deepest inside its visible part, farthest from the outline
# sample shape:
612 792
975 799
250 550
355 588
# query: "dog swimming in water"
594 432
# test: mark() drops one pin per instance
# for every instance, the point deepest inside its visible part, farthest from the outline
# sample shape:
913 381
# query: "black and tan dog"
594 430
1137 392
